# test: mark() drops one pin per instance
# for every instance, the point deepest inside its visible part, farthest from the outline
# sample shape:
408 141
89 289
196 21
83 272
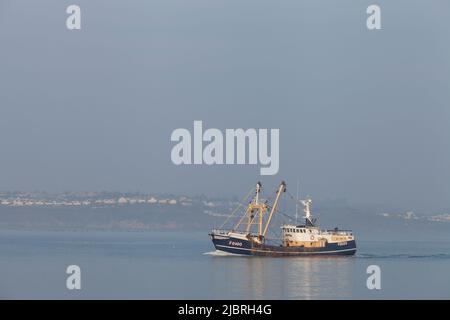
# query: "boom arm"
281 189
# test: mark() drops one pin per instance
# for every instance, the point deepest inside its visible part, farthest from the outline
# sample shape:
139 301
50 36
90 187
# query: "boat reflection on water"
281 278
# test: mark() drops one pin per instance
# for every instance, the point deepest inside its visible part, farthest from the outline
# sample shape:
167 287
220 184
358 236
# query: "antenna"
296 203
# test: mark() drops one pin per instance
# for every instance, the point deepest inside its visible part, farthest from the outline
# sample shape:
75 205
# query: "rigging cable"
238 207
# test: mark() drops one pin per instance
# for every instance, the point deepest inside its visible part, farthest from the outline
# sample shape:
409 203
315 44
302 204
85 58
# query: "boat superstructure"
249 236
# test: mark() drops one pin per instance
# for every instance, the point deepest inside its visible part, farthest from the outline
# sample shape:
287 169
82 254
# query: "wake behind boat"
249 235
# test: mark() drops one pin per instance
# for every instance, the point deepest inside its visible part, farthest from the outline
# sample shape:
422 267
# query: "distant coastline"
152 212
93 199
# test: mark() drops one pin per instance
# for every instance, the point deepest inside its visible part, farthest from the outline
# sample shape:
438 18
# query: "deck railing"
226 232
340 232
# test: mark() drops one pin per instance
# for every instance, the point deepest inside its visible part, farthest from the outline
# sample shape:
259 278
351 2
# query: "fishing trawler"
249 236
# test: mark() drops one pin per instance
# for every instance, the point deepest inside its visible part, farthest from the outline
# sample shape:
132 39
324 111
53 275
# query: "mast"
260 209
307 210
296 203
258 190
281 189
255 208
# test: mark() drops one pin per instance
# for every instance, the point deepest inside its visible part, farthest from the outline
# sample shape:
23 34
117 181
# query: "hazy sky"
363 115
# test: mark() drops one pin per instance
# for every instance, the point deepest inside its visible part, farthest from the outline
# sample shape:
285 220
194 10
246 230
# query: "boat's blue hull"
246 247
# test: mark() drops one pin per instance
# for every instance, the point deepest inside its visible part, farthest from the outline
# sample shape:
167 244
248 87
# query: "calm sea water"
161 265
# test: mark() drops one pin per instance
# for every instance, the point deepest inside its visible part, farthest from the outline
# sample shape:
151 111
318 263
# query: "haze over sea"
364 123
184 265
